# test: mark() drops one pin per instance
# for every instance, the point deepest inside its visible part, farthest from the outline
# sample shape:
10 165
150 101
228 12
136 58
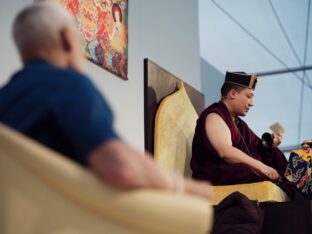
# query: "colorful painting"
104 28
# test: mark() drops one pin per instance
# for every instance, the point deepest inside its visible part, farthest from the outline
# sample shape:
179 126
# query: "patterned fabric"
299 170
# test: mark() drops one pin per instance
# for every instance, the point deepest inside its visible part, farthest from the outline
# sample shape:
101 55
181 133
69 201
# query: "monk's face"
243 101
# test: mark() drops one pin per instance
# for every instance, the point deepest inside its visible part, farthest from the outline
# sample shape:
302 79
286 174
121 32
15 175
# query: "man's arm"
87 123
118 164
219 135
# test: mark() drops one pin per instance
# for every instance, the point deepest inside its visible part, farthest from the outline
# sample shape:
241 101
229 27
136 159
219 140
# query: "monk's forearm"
234 155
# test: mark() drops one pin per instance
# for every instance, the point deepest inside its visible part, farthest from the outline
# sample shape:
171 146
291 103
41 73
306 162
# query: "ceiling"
265 36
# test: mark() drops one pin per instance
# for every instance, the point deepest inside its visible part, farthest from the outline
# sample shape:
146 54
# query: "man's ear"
232 93
66 39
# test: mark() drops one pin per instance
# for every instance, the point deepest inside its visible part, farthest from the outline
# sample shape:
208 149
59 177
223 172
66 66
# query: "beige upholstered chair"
42 192
174 130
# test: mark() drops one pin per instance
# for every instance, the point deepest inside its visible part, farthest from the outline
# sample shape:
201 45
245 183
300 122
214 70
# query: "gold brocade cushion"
260 191
174 130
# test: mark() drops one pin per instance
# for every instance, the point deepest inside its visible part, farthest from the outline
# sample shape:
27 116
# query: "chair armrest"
147 211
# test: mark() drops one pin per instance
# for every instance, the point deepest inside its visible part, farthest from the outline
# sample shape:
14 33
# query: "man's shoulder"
213 108
44 78
69 79
214 116
51 72
214 119
70 75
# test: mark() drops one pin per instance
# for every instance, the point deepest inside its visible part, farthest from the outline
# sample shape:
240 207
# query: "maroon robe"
207 164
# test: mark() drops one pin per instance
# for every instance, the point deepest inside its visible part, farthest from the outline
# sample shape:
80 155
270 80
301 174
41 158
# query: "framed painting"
103 25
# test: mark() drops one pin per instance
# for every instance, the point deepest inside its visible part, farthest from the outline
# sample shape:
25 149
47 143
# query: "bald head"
45 30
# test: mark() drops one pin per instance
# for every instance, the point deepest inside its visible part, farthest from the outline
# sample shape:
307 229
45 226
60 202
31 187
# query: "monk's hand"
269 172
277 139
198 188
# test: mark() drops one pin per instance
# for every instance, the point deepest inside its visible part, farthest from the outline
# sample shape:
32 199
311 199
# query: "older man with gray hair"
51 101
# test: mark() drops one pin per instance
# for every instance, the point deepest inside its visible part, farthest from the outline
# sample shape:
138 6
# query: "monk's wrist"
258 164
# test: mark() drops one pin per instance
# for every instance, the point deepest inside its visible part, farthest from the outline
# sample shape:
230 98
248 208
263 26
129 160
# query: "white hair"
37 26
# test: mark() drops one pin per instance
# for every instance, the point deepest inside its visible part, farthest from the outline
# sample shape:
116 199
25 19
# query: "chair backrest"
44 192
174 130
158 84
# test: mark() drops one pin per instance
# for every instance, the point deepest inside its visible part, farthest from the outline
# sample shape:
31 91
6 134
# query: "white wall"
211 82
163 31
9 61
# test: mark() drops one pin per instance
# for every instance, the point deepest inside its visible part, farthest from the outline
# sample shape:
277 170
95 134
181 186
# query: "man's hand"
277 139
269 171
199 188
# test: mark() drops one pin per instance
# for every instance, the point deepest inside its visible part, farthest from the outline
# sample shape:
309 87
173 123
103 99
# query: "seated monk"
225 149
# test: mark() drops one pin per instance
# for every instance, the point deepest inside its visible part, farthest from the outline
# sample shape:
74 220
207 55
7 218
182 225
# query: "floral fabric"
299 170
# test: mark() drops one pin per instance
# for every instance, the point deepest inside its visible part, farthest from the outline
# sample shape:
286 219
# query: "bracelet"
178 182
